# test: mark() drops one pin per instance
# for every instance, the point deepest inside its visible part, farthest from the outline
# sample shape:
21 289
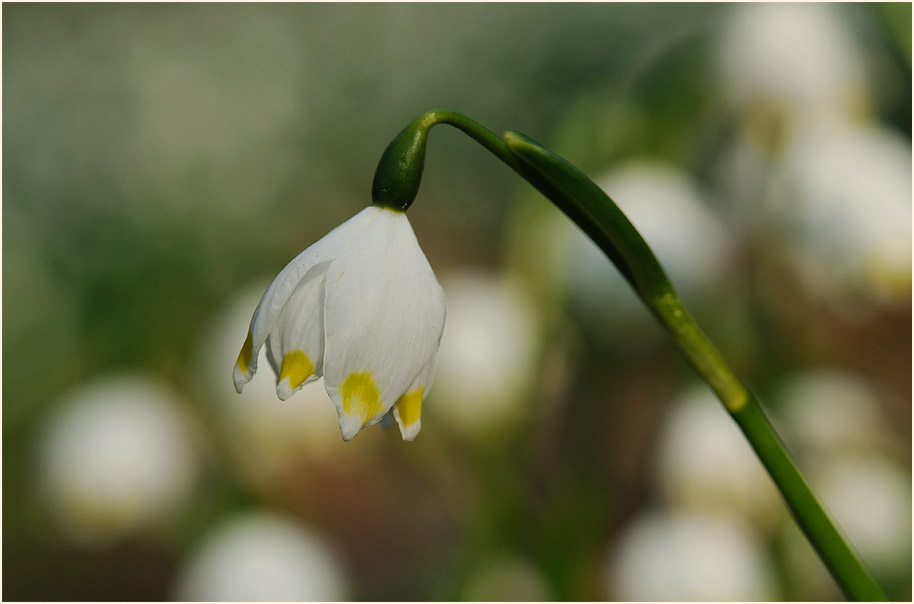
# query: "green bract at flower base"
371 366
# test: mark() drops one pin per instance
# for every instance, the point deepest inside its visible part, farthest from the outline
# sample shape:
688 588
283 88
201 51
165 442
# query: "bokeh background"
161 163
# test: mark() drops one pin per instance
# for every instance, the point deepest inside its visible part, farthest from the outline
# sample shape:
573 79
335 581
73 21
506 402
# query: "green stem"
842 562
396 184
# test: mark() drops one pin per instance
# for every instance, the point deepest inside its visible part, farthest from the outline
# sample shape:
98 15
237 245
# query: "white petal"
383 320
408 408
295 347
282 287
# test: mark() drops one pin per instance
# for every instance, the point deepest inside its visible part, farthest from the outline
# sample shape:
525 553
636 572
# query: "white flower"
797 61
840 204
493 346
671 211
827 413
263 556
704 463
871 482
869 496
268 438
689 556
118 456
361 307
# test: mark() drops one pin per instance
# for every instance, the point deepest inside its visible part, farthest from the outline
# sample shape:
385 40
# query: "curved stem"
842 562
399 171
395 185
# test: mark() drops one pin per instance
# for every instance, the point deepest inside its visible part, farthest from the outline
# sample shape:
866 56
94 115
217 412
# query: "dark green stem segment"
396 183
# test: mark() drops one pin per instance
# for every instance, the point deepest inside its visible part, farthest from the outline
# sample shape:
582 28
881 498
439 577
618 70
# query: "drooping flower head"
361 307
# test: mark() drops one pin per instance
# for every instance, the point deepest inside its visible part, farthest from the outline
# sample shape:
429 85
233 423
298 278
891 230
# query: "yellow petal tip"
296 368
244 369
360 396
247 352
409 406
407 412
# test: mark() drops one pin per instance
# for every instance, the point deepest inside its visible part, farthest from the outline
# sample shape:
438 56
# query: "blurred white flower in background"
869 497
667 207
506 578
488 354
704 462
687 556
267 437
841 203
827 190
260 557
825 412
834 421
788 65
117 456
